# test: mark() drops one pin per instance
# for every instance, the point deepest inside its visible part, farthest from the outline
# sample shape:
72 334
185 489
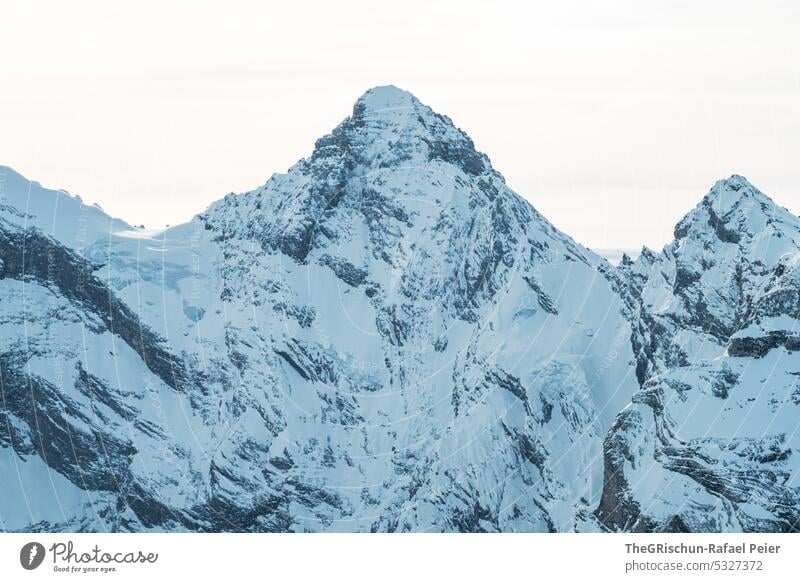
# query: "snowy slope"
56 213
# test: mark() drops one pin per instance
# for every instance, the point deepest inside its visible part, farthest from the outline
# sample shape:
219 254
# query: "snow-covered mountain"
387 338
710 442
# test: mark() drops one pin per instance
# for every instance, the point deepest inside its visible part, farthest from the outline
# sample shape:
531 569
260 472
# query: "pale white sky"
612 118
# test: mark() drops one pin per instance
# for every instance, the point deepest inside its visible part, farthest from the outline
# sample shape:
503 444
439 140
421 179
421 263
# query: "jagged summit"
390 127
736 212
737 192
392 160
386 97
725 257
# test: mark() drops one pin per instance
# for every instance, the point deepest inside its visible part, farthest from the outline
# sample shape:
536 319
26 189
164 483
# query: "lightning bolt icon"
32 554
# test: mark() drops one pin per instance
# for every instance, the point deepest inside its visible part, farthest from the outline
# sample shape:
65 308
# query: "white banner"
387 557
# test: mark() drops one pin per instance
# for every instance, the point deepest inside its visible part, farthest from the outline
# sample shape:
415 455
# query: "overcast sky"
612 118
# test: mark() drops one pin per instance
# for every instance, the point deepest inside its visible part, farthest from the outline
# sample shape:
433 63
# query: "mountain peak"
384 97
734 210
389 127
734 192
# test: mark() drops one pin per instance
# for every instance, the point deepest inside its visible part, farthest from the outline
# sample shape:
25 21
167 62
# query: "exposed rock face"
387 338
